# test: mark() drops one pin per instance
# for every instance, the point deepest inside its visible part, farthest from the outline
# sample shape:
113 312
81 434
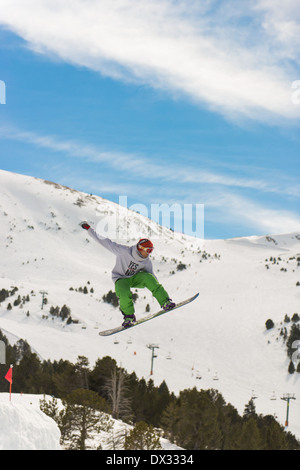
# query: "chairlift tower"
152 347
287 397
43 292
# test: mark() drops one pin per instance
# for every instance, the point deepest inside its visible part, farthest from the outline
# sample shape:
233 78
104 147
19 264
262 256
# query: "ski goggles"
147 249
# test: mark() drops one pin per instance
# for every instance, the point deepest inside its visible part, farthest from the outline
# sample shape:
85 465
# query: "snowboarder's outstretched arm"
106 242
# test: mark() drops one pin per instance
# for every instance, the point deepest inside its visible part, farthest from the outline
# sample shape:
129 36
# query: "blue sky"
188 102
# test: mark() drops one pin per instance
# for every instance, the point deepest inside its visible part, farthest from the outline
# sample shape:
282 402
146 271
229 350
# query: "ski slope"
219 341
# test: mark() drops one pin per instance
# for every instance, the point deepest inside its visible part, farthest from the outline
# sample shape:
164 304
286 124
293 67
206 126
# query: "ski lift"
198 376
253 397
273 397
169 356
129 341
116 341
215 377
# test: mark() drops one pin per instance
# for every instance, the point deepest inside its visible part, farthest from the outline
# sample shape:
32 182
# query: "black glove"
84 225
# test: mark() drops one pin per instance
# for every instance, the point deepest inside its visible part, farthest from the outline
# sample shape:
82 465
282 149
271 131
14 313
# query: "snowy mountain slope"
24 426
219 341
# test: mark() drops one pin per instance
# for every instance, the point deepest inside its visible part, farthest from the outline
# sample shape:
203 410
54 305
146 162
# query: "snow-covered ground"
24 426
219 341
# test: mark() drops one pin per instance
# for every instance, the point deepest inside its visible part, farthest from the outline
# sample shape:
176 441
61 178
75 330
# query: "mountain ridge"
222 338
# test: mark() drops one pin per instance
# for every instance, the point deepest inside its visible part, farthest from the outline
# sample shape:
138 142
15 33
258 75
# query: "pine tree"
66 378
198 425
50 408
27 374
250 438
170 420
229 422
64 312
293 336
82 417
250 410
291 367
269 324
142 437
82 370
274 438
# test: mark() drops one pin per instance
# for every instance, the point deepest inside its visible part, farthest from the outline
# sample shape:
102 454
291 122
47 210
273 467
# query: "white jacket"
128 259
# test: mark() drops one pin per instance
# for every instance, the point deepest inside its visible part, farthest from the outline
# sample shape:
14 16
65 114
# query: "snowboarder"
133 269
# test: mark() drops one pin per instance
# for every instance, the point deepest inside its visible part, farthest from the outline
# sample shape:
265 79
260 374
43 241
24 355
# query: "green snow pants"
138 280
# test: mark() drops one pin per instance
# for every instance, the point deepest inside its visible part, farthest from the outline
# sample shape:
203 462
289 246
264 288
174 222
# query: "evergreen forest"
194 420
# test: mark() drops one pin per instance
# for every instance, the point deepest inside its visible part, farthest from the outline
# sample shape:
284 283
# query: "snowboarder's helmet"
145 245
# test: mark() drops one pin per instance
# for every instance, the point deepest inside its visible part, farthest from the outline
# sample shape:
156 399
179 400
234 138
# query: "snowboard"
146 318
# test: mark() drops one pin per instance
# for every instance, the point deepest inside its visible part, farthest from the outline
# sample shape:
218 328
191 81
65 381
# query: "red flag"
8 376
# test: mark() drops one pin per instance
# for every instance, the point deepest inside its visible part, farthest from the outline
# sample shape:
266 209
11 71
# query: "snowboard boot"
128 320
168 305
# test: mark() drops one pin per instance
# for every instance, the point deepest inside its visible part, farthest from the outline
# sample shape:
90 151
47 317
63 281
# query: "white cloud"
222 194
139 167
281 21
178 46
235 208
